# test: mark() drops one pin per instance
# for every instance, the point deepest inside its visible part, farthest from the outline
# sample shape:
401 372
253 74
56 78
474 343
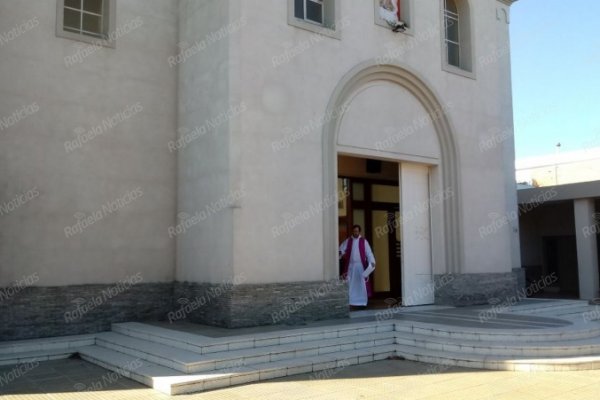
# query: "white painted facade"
278 104
285 99
76 88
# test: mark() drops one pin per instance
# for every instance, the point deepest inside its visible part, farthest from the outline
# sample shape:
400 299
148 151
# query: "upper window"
452 25
393 14
86 20
320 16
310 10
457 34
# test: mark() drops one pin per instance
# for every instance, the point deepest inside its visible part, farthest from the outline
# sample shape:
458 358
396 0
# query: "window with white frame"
457 35
452 28
86 20
310 11
320 16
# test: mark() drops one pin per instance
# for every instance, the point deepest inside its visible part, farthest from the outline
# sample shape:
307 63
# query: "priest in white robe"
357 255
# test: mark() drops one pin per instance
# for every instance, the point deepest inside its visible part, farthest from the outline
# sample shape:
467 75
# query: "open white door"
417 271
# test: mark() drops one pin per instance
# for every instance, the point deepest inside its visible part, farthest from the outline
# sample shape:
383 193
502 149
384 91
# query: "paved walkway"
390 379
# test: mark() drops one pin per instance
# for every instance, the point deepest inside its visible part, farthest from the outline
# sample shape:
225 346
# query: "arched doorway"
367 83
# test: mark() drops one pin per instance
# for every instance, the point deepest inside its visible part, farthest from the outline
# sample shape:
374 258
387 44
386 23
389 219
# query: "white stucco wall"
245 194
130 161
286 100
206 197
375 118
489 180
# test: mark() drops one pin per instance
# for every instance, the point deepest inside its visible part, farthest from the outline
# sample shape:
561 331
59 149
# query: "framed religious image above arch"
393 14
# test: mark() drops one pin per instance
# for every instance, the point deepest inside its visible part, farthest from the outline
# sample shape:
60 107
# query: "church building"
202 160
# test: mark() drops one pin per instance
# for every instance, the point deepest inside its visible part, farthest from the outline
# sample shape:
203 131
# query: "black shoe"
401 27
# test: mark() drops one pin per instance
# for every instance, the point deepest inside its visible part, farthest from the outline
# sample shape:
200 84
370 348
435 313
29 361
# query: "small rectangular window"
85 17
86 20
320 16
309 10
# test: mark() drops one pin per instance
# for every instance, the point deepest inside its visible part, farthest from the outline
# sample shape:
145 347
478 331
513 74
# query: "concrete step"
499 363
177 362
502 345
581 314
551 349
571 311
173 382
207 345
591 313
35 356
548 306
190 362
571 332
43 344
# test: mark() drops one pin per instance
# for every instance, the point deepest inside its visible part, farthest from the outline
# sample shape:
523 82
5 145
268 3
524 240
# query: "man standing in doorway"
357 255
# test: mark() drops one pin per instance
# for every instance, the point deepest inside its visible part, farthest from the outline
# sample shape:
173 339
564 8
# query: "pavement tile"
389 379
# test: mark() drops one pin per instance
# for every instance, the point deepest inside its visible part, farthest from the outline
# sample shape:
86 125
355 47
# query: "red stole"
363 257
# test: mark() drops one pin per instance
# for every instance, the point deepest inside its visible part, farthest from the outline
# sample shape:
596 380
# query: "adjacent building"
560 221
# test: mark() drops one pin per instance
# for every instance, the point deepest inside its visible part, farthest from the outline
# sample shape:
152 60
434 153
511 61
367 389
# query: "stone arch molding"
354 81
